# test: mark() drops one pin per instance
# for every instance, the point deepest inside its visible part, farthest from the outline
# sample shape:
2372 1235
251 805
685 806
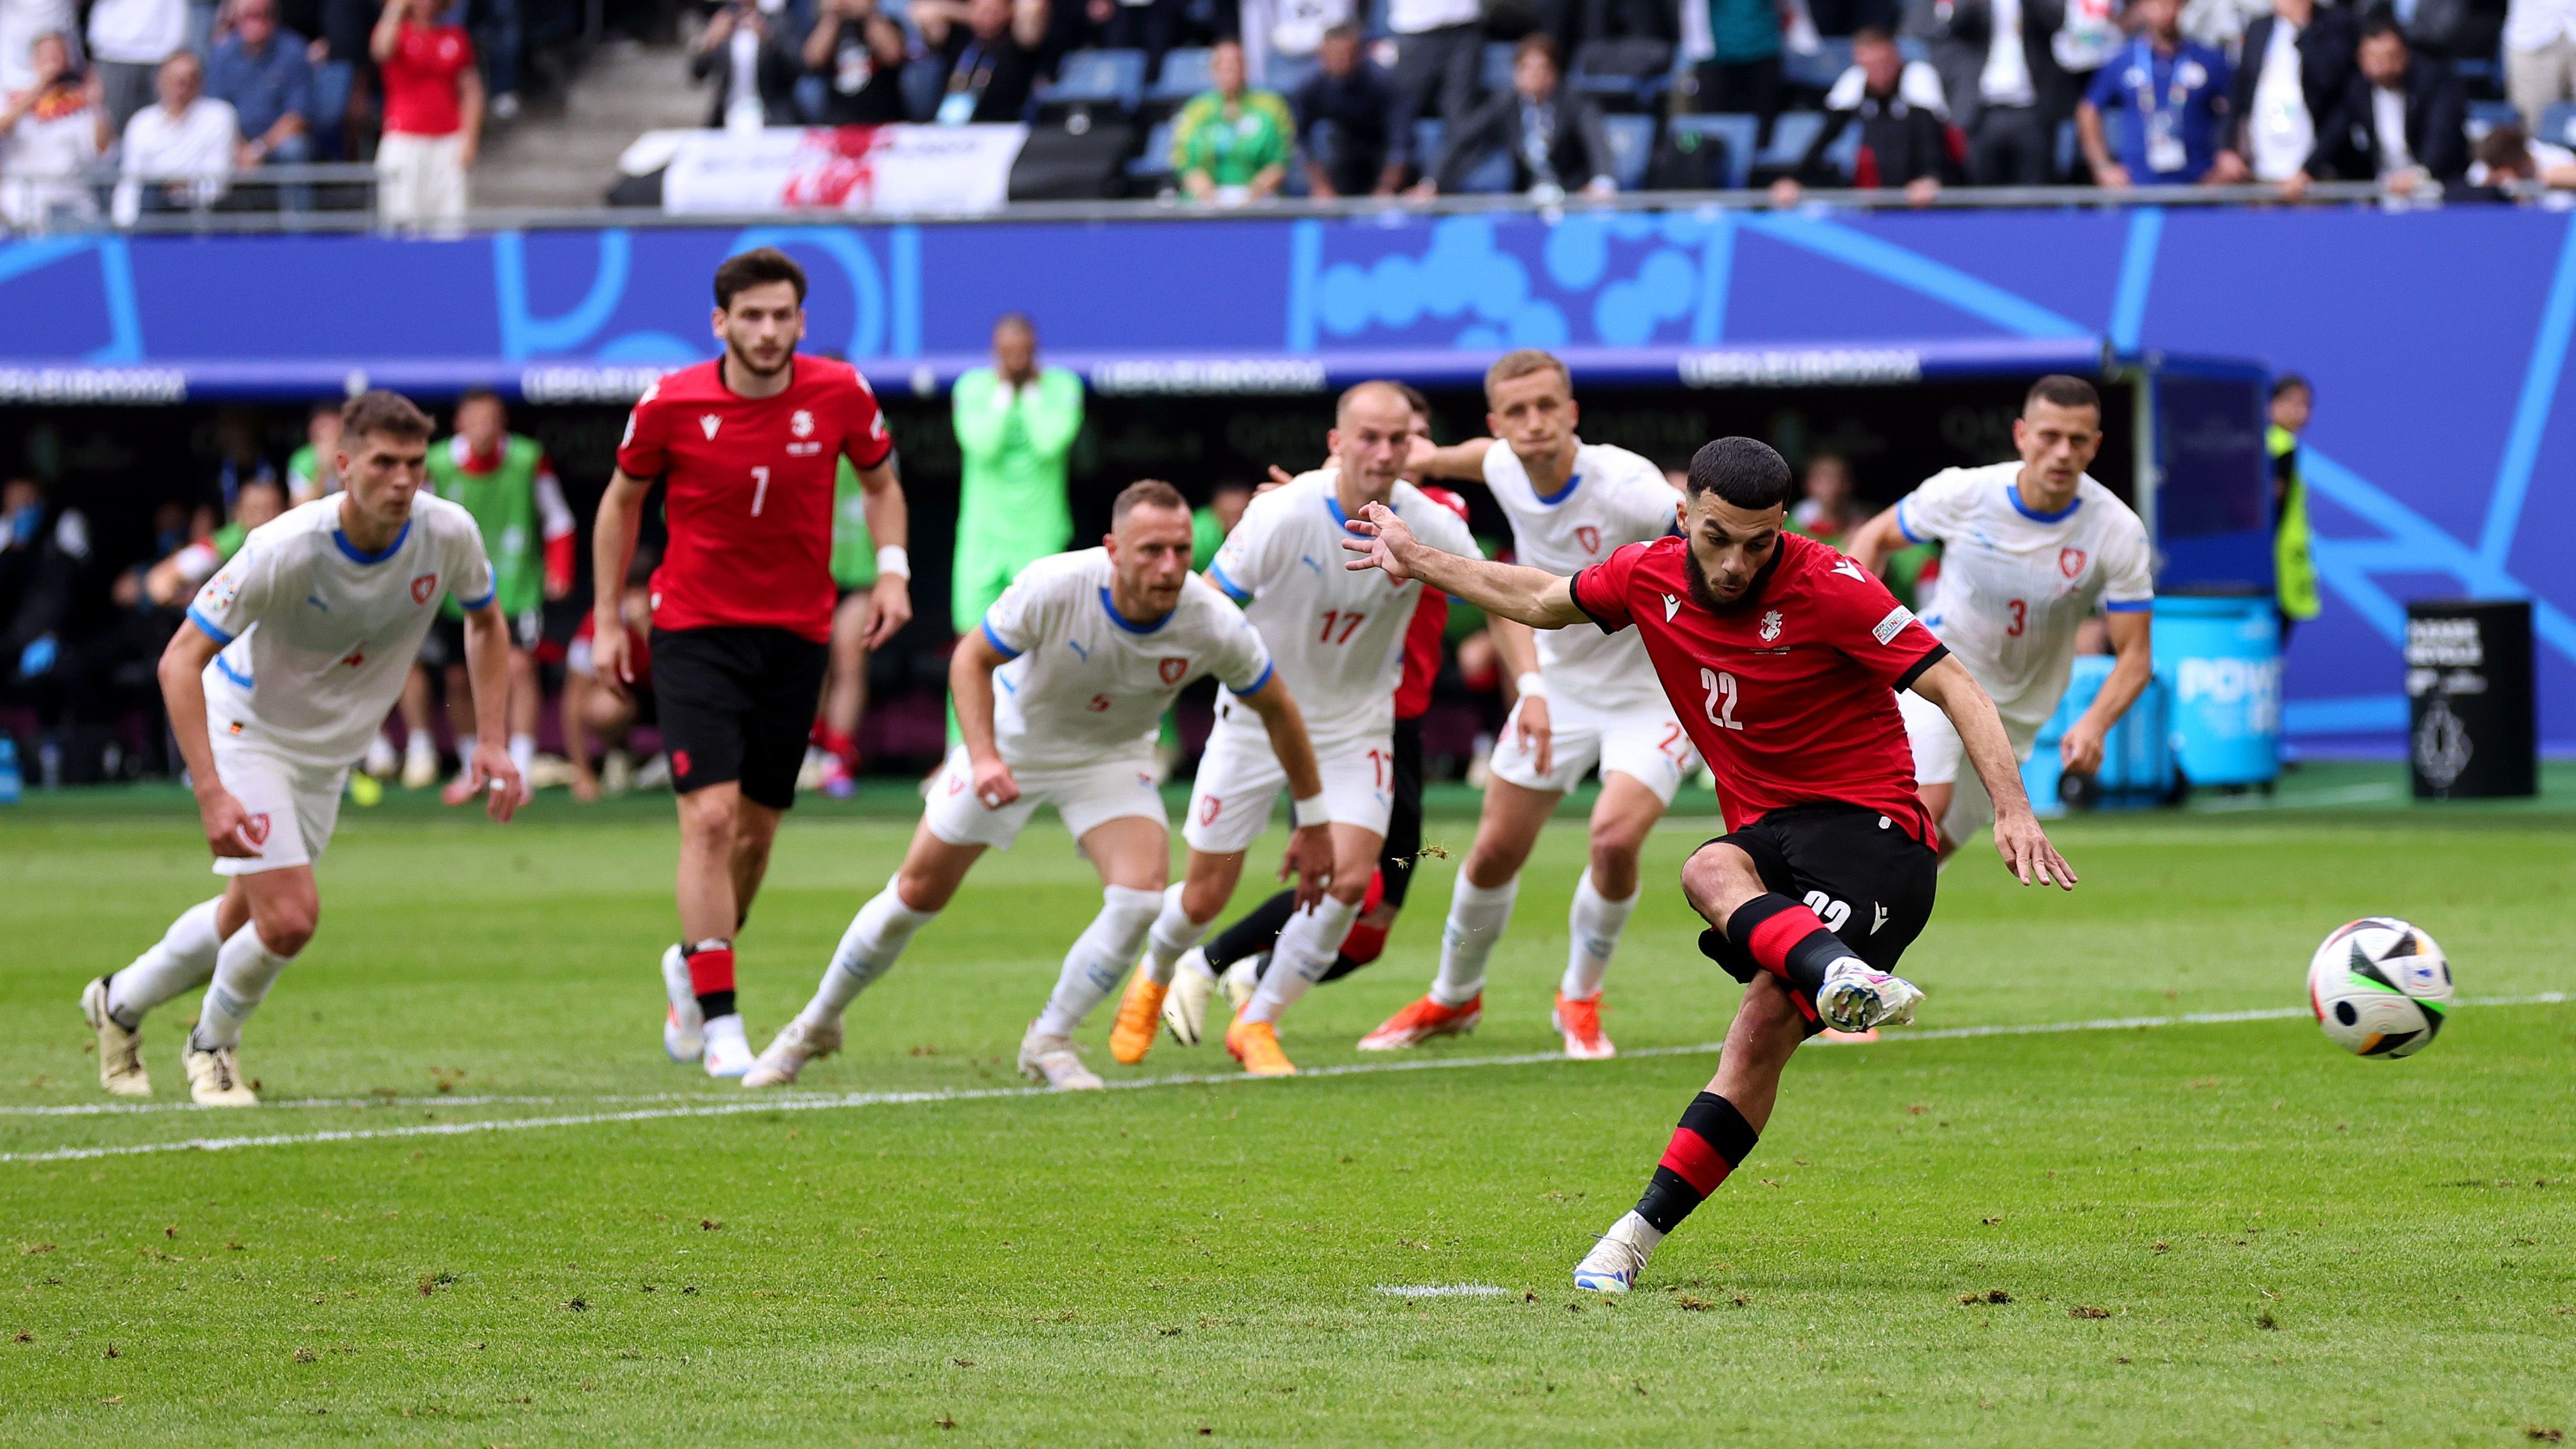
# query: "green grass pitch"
2220 1233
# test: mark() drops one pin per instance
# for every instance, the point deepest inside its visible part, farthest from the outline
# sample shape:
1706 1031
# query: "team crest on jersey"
255 830
1589 537
1172 668
802 425
1770 629
710 422
2070 562
423 587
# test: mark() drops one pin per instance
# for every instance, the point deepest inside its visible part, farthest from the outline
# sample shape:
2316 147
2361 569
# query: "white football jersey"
1086 683
317 636
1612 497
2015 584
1336 633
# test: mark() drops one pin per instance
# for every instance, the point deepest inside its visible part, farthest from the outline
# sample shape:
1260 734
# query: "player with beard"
1782 658
746 446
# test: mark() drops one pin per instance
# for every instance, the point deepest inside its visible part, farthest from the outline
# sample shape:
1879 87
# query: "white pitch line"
822 1102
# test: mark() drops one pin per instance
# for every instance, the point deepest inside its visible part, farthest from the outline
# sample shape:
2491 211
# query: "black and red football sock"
1711 1141
711 976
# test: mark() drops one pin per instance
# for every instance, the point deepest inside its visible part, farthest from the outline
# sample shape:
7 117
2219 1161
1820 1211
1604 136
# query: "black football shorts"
1868 880
737 705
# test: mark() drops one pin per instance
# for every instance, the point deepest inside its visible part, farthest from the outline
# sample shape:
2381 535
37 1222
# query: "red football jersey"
749 501
1790 694
1424 637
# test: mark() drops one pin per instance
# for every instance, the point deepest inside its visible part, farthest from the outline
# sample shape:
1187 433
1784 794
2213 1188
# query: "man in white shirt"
2012 120
128 40
1439 46
2296 63
22 23
2539 56
179 153
292 652
2030 550
1587 699
1060 692
51 133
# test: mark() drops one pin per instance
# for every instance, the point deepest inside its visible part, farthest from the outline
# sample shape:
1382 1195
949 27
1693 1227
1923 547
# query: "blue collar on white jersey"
1550 500
2012 493
341 537
1334 506
1122 621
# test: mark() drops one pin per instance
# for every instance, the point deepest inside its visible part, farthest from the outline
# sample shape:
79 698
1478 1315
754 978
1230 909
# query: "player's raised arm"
612 549
2018 838
1872 542
890 524
1534 597
1310 845
1458 460
970 690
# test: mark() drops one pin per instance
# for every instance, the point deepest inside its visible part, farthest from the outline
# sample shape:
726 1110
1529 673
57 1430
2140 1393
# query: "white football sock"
419 744
1593 925
1100 957
523 752
1173 934
1476 920
181 960
877 935
464 750
1307 946
244 970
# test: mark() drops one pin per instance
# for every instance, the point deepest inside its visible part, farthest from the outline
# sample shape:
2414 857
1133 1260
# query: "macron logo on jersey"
1672 606
710 422
1843 566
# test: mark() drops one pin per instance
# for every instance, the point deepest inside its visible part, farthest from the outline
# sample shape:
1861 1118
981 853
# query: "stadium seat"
1631 72
1819 71
1736 133
1496 72
2558 125
923 79
1792 132
2485 116
1094 79
1154 163
1285 73
1185 74
1632 145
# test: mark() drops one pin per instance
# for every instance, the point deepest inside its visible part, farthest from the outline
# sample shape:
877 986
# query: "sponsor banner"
854 170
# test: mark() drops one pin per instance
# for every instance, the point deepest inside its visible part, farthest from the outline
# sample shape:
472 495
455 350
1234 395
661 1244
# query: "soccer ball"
2380 988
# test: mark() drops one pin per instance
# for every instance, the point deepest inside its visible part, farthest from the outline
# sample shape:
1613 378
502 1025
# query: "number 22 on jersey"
1722 693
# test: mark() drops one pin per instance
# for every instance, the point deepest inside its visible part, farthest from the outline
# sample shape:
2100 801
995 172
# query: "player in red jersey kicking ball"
742 604
1782 658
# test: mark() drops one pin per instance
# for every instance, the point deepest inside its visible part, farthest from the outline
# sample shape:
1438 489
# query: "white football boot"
789 1051
1055 1061
120 1052
1185 1005
1615 1261
728 1050
1858 998
684 1027
215 1079
1242 979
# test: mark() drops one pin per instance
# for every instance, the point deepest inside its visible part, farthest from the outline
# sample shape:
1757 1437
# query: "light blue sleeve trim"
2127 606
1008 653
1223 580
485 602
213 630
1268 668
1906 528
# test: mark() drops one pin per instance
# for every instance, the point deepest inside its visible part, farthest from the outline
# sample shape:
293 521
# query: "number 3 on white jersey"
1721 699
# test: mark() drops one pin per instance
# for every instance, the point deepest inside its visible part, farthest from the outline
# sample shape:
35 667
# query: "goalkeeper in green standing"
1016 423
505 481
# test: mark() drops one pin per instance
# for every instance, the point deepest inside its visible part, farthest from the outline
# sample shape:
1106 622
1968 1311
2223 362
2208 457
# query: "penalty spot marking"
815 1102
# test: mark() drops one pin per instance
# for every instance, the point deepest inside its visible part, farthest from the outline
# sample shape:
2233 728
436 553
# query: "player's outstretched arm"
1458 460
2081 748
1310 844
612 548
487 663
1534 597
890 524
970 689
183 692
2018 838
1872 542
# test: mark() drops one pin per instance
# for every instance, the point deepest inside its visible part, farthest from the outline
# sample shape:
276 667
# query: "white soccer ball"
2380 988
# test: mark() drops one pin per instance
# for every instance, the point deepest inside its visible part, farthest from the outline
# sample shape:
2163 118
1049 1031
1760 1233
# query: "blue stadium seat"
1792 132
1185 74
1632 145
1106 78
923 78
1738 133
1818 71
1156 162
1632 72
1496 74
2485 116
1492 176
1285 73
2558 125
1844 154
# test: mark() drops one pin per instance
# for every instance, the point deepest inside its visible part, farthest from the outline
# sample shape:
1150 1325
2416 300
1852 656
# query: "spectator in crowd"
505 480
169 583
1016 422
2018 93
1231 144
859 53
2294 568
2401 120
51 134
1555 139
1352 123
1905 134
591 711
989 49
2175 93
2217 24
179 153
2291 73
1830 508
261 70
2505 157
433 114
128 40
495 26
744 48
1742 73
1439 50
1288 30
1210 525
44 559
2539 57
22 24
313 470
